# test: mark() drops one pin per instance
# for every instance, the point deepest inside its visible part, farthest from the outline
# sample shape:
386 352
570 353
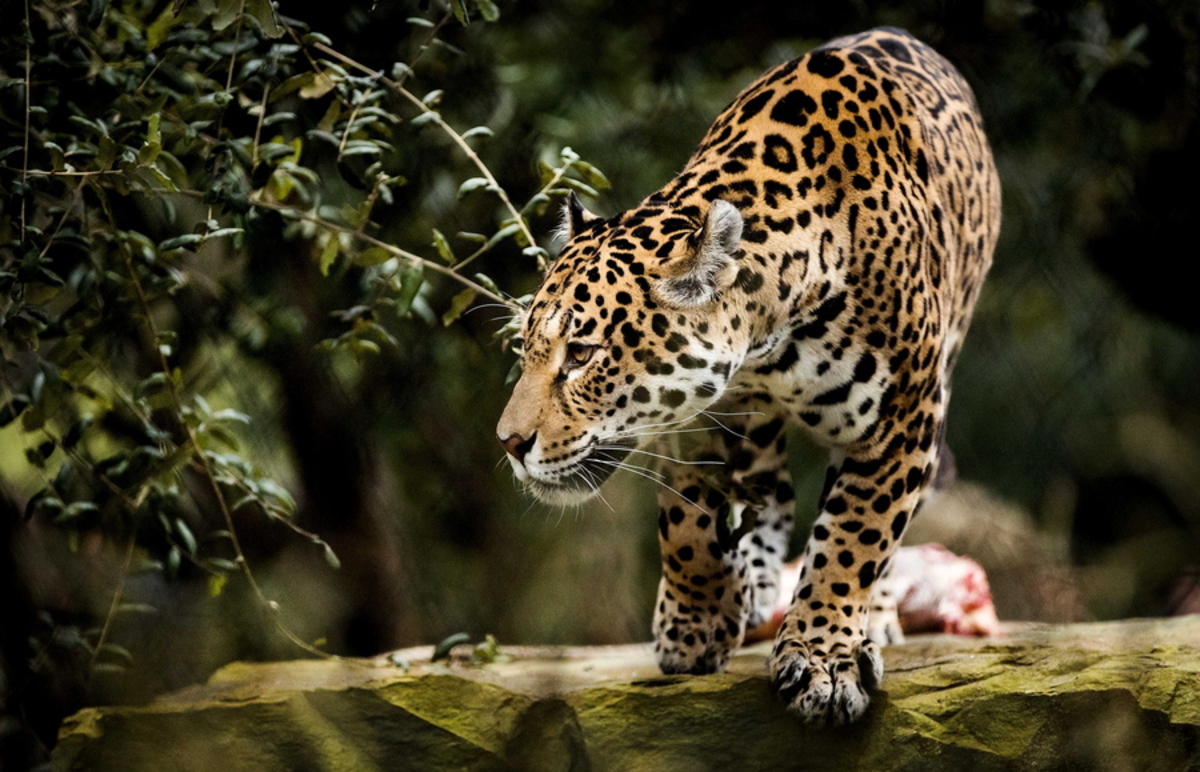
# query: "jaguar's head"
630 334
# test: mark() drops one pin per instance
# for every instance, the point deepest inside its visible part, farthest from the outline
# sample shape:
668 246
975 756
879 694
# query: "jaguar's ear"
712 267
574 219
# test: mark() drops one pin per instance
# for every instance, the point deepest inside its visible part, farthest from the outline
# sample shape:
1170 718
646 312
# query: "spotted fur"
815 263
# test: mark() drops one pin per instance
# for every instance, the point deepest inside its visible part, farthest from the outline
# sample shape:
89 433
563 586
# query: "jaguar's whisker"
658 455
640 471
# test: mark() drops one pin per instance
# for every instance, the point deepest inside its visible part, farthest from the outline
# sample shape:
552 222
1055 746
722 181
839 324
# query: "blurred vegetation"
252 270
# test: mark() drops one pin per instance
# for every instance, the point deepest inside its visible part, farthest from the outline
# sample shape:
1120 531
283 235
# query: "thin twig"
54 173
237 37
116 600
262 114
358 105
28 112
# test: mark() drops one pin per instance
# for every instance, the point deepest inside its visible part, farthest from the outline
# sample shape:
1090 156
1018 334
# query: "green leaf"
538 203
503 233
546 173
412 276
222 233
478 131
72 511
329 253
594 176
315 37
433 97
330 557
184 240
580 187
459 303
273 151
424 118
275 118
264 14
96 12
275 491
460 12
442 650
148 154
443 247
487 282
361 149
535 252
107 153
231 415
185 535
471 185
120 652
373 256
488 10
227 12
294 83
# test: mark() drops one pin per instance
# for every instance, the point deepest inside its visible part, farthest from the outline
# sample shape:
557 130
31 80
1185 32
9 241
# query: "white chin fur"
556 495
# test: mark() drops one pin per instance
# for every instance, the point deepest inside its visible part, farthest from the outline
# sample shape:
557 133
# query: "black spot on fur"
764 435
749 280
778 154
866 574
897 49
755 104
672 397
793 108
825 64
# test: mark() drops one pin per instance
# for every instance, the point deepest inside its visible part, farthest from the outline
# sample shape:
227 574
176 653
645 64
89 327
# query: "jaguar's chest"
831 384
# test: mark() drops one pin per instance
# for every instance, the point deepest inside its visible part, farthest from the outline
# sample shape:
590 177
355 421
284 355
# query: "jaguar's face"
621 341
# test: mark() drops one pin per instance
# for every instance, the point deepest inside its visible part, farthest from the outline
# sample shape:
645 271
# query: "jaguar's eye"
578 354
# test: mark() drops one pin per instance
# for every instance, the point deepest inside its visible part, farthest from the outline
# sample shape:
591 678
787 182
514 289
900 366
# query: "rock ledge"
1112 695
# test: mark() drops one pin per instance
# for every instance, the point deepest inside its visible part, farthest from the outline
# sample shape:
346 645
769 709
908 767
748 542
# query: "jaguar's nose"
517 446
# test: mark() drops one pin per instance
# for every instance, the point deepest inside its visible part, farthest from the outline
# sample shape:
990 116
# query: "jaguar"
815 264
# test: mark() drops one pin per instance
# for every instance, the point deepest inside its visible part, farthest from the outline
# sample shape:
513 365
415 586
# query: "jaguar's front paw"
826 689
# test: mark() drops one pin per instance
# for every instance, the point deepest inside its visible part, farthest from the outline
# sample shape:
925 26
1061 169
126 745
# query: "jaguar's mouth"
582 481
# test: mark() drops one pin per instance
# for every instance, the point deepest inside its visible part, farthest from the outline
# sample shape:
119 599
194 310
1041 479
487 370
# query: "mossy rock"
1107 696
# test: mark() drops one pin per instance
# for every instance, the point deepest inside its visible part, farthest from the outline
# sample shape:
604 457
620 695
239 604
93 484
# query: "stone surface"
1107 696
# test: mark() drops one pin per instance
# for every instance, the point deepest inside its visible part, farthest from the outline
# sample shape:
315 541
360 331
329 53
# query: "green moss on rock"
1121 695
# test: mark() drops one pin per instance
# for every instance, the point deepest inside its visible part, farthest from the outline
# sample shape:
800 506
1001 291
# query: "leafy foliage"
158 151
